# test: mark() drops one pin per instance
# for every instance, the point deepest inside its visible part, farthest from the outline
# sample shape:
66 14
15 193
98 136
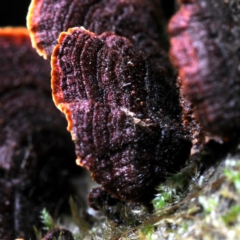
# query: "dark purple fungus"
123 114
36 152
205 49
141 21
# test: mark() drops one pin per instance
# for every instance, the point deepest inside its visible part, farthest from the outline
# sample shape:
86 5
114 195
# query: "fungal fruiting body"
205 49
139 20
116 86
123 114
34 144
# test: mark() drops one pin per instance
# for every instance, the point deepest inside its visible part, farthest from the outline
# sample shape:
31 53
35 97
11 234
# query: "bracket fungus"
116 86
123 114
205 49
131 125
139 20
34 144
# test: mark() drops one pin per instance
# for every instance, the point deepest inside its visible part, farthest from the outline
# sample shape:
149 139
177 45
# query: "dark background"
168 7
13 12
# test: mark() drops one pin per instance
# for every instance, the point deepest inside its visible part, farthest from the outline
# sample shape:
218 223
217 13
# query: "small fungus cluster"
132 113
115 85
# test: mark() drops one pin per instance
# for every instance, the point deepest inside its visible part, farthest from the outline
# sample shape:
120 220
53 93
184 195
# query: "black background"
168 7
13 12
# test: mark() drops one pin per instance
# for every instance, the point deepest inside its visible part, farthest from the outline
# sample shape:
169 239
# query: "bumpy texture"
205 40
123 114
190 123
139 20
33 141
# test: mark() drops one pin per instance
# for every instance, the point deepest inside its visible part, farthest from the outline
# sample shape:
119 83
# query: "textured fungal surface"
138 20
190 123
33 142
122 113
205 48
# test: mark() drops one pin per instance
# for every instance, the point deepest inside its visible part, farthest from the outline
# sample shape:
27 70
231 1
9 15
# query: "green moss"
46 220
161 200
233 175
171 191
209 204
48 224
146 232
232 216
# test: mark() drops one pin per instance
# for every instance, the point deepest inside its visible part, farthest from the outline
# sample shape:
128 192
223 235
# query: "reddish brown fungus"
190 123
139 20
205 49
129 147
33 142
